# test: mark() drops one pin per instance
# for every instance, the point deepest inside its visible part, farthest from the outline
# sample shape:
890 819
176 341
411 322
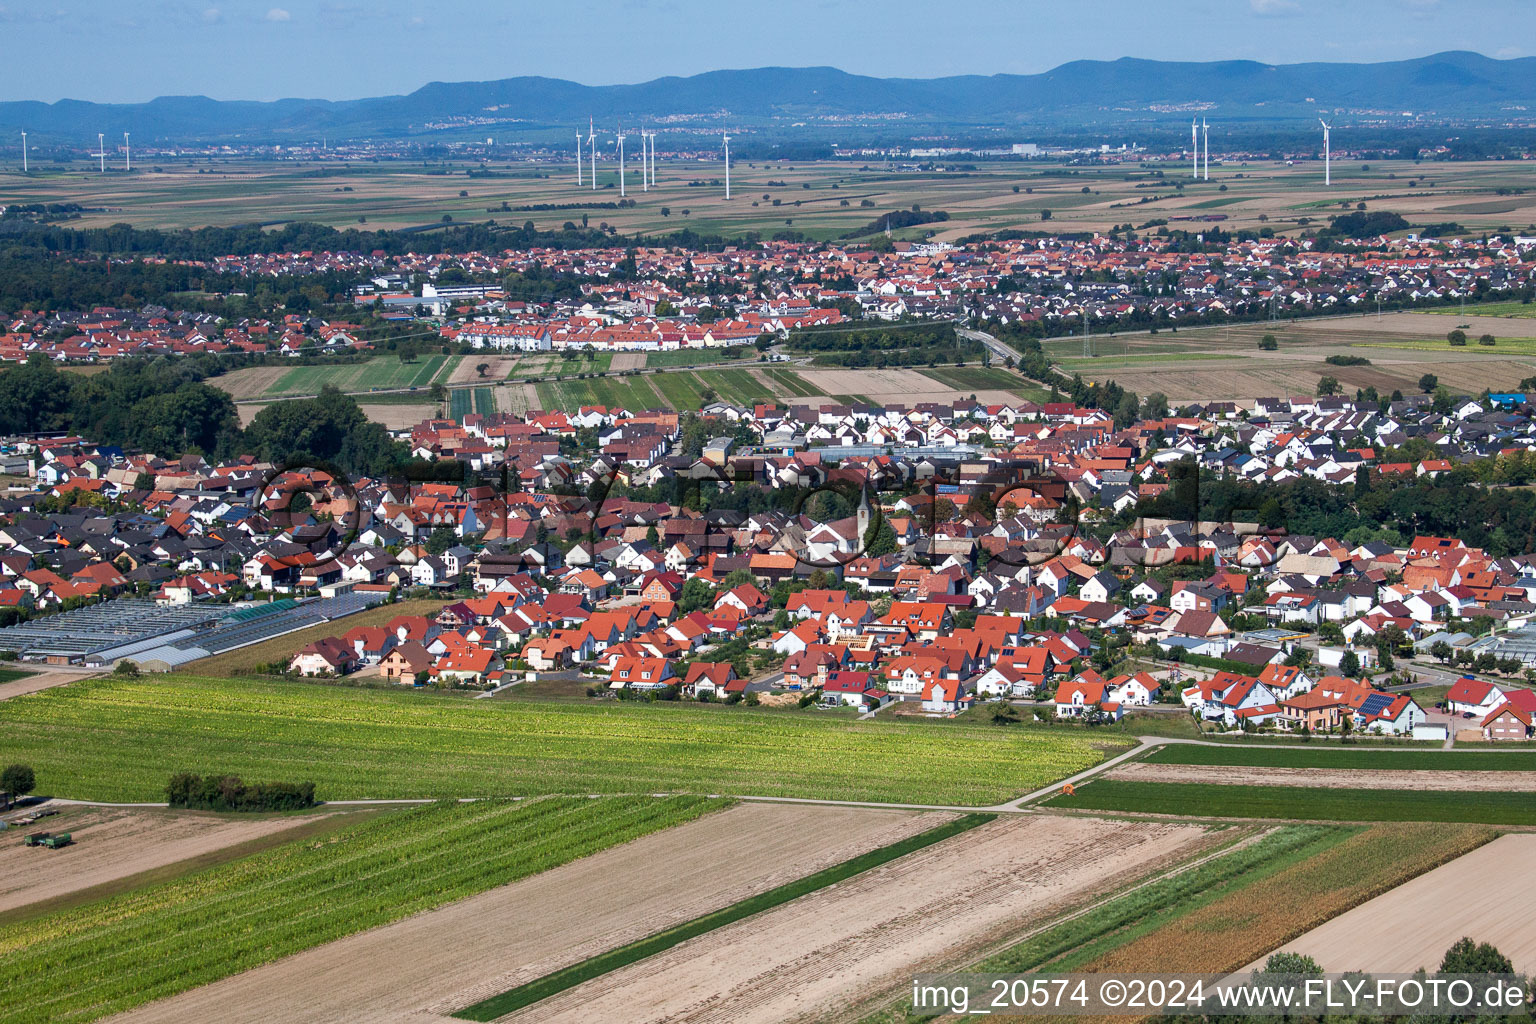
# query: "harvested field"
393 417
250 382
1414 924
838 947
905 386
112 843
527 929
466 373
516 398
628 361
1331 778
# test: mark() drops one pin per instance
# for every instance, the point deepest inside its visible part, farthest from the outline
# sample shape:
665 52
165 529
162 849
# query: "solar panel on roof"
1376 703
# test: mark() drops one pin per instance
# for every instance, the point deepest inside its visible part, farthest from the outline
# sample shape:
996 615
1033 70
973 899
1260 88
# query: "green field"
378 372
88 962
1502 346
696 356
1301 802
678 390
107 739
790 381
1336 757
984 378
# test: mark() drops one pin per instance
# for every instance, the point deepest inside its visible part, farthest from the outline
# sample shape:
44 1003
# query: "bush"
1457 338
228 793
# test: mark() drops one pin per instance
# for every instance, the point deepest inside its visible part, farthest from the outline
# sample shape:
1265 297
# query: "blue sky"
134 50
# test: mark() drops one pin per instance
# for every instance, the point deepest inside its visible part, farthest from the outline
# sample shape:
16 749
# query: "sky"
135 50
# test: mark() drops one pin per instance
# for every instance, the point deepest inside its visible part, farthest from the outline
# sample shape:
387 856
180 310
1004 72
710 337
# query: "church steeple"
863 514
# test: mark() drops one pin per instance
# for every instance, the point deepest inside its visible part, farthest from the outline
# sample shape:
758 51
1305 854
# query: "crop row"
154 942
122 739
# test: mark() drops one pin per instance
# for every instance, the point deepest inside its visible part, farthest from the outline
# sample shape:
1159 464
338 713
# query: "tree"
880 538
1468 957
1269 343
1004 713
1045 214
1295 964
441 540
1485 339
1349 665
695 595
1441 651
1457 337
1327 386
18 780
481 368
1428 383
666 211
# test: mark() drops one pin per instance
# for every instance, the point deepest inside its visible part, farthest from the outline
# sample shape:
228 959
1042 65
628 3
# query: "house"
1473 696
708 677
1083 693
640 673
944 695
1507 722
405 662
466 667
1313 711
851 687
328 656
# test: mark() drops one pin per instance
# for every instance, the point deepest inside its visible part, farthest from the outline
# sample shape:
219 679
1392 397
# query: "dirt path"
1413 925
41 681
113 843
424 967
1331 778
816 956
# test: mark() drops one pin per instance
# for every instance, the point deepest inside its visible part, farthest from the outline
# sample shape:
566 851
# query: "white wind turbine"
726 141
645 163
592 149
1205 131
101 147
653 158
23 152
578 158
1194 145
1327 152
621 161
127 154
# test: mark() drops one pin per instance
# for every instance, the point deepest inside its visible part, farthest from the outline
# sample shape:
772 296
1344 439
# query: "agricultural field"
1215 363
976 379
1523 310
164 939
1317 756
1301 803
838 947
532 927
1494 781
463 401
114 843
1414 924
679 390
379 372
697 357
986 196
113 739
245 660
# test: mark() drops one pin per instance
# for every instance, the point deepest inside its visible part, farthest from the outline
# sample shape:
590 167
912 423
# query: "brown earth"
627 361
250 382
398 417
1330 778
427 966
112 843
1414 924
820 955
465 372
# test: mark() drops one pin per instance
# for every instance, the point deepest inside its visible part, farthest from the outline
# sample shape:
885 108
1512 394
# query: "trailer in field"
58 840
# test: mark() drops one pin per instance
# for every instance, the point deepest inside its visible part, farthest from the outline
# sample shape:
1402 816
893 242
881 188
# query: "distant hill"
1103 92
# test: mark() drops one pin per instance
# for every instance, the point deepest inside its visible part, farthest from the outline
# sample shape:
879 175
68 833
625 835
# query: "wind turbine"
1194 143
645 174
1205 131
653 158
578 158
23 152
1327 154
726 141
127 154
621 161
592 148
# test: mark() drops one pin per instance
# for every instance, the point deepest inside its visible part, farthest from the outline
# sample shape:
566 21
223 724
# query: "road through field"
424 967
1413 925
827 952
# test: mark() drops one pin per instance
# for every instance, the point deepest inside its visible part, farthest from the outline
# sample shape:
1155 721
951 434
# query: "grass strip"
613 959
1301 803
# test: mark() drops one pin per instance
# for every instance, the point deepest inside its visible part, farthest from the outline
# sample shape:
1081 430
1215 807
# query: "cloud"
1274 8
213 16
278 14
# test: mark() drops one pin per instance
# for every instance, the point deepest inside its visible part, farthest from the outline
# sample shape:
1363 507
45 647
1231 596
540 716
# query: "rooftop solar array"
1376 703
